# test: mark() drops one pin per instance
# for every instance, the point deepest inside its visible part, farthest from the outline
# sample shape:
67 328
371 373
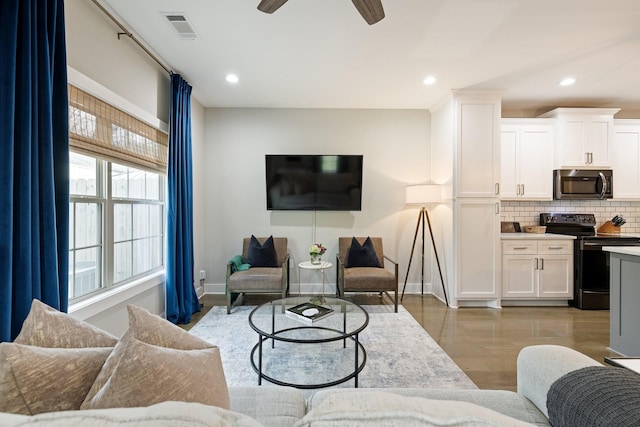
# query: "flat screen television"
314 182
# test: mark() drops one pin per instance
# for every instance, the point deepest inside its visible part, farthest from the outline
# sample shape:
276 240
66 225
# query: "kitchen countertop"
625 250
535 236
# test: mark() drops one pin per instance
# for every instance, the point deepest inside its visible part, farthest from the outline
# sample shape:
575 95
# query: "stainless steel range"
590 262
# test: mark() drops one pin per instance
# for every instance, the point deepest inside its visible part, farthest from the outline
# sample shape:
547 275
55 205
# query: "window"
116 183
116 224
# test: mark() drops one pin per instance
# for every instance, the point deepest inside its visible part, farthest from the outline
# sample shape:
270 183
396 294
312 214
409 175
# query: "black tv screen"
314 182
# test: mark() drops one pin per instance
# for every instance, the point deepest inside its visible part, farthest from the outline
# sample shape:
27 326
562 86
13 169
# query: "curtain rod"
128 33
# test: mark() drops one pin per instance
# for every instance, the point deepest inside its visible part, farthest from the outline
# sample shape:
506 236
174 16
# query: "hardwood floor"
485 342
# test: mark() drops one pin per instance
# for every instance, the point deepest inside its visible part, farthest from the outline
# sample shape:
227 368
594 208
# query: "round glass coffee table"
304 354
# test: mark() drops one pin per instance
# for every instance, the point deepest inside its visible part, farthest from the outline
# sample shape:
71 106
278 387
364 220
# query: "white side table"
306 265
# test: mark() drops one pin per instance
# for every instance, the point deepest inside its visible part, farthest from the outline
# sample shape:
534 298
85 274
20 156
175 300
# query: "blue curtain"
34 160
182 300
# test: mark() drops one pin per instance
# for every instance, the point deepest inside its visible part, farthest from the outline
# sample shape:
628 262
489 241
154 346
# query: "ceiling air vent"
181 24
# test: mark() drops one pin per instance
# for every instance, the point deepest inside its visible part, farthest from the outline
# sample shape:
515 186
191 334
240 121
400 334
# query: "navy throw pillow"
362 255
262 255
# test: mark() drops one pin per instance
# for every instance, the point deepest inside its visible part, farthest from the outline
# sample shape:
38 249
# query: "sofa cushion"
166 414
150 329
362 255
149 374
595 396
506 402
39 379
272 407
362 407
262 255
48 327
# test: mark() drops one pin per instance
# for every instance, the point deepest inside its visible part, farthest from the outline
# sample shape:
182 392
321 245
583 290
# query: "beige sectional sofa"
538 368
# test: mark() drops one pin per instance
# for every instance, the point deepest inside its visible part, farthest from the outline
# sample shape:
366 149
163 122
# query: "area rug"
400 353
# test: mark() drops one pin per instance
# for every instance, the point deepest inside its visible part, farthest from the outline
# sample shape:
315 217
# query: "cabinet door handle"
541 263
497 189
497 208
555 247
522 189
536 259
519 248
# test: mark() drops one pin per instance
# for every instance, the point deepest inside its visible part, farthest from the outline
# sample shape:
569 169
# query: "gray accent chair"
366 279
260 280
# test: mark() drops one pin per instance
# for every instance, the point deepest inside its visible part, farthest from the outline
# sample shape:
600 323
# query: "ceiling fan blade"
371 10
270 6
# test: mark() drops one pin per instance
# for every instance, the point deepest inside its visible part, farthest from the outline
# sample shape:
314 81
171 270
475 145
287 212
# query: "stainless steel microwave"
582 184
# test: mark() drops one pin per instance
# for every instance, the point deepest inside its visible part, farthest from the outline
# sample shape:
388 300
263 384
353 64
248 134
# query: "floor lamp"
422 195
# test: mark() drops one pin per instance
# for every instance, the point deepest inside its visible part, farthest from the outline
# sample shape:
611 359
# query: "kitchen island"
625 299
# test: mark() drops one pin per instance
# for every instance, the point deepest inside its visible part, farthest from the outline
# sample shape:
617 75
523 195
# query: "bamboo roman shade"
101 130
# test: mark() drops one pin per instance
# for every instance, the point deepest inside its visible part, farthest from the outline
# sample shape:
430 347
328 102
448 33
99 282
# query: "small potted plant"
315 251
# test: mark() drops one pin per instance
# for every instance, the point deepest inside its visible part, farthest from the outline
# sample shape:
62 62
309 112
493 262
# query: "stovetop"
582 226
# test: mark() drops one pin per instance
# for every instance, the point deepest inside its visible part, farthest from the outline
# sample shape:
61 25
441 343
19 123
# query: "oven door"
593 266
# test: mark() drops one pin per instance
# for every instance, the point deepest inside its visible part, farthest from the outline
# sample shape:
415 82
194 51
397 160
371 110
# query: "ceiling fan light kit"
371 10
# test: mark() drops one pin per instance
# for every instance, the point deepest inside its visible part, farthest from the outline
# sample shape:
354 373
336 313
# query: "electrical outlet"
202 275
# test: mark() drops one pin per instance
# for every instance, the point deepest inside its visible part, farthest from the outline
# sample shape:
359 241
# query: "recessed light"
429 80
567 81
232 78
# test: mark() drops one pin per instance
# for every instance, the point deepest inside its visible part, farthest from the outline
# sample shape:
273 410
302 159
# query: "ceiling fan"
371 10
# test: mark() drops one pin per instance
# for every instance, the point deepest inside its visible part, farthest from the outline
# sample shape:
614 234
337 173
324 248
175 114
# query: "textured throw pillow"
595 396
48 327
362 255
34 380
149 374
262 255
151 329
376 408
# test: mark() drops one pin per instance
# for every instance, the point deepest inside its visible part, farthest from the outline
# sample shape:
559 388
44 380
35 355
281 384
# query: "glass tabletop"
274 320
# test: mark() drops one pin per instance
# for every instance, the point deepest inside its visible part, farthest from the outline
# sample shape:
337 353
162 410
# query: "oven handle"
591 246
604 185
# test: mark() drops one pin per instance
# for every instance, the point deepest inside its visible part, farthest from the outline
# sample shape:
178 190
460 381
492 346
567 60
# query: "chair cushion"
369 279
362 255
262 255
256 279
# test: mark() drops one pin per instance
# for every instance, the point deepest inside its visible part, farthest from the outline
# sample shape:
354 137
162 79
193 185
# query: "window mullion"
108 248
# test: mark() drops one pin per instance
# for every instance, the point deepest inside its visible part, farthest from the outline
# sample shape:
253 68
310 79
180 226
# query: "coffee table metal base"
323 349
360 359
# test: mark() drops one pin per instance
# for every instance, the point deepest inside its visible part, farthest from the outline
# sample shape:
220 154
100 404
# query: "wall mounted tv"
314 182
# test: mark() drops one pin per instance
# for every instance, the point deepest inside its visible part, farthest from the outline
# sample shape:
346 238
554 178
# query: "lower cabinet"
536 269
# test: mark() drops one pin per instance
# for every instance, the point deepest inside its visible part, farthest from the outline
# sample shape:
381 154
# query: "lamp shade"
423 194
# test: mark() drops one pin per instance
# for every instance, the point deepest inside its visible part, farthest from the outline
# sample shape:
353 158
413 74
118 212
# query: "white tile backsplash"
528 213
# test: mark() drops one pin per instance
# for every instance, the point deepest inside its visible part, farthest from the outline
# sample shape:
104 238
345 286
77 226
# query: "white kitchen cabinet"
465 155
477 163
526 159
537 269
478 249
583 136
625 159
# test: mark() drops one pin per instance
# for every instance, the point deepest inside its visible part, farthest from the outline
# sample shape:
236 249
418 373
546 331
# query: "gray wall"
395 145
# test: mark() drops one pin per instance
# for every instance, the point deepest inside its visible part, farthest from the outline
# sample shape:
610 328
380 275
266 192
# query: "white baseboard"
316 288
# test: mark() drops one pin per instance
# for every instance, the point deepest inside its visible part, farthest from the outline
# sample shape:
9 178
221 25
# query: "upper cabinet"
625 159
526 159
477 146
583 136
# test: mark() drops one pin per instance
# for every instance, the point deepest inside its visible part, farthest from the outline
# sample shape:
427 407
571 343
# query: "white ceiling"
322 54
